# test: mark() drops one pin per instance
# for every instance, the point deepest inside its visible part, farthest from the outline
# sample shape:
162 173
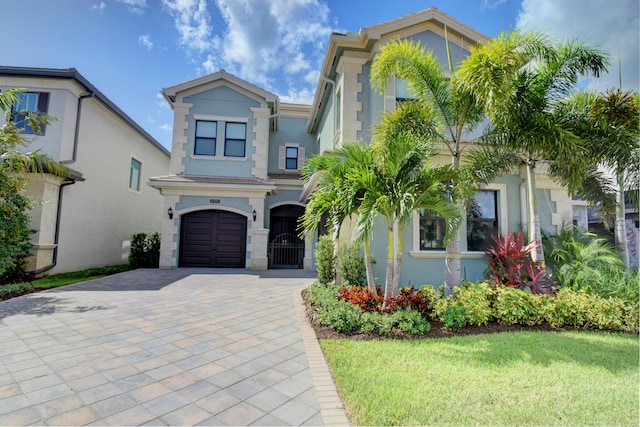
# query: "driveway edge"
331 407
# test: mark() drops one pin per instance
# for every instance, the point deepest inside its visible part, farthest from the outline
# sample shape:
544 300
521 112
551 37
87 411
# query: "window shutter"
301 158
43 102
282 157
43 107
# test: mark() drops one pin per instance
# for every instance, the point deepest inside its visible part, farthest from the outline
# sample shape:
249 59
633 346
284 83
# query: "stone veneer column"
348 69
46 189
168 245
180 125
260 142
308 243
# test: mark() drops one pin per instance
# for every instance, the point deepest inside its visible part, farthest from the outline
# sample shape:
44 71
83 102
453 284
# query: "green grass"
524 378
16 289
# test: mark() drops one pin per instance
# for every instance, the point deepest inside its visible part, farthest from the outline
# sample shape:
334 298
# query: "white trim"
278 204
503 224
210 118
442 254
216 157
178 213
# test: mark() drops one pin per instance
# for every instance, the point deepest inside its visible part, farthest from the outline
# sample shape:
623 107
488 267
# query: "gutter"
91 94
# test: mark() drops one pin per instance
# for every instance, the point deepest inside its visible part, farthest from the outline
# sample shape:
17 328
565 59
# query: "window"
29 102
134 175
482 220
291 159
235 139
403 94
206 133
432 230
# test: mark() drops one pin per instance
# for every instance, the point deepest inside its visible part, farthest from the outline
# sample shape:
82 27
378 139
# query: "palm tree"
615 142
337 194
444 112
520 79
410 181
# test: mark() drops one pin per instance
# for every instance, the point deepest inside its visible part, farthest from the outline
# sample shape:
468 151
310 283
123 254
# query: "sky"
131 49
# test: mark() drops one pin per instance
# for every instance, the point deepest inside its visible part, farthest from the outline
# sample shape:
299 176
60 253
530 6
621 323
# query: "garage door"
213 239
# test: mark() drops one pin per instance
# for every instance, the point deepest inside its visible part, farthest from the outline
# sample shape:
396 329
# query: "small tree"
326 259
14 204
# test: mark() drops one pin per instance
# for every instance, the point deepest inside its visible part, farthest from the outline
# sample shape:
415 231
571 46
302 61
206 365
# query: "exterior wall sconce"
170 212
255 215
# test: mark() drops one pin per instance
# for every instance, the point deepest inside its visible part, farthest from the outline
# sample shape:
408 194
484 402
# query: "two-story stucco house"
211 178
87 220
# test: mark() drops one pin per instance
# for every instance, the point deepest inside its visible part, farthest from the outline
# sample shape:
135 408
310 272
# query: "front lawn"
12 290
514 378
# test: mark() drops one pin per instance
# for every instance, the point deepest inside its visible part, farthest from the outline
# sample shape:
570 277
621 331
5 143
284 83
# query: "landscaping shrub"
580 260
510 265
145 250
410 321
350 264
410 298
454 317
362 296
476 299
513 306
325 259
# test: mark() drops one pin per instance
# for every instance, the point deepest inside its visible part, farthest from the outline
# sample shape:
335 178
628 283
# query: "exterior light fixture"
170 212
255 215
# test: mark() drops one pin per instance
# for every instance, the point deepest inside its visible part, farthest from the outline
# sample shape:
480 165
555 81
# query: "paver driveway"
165 347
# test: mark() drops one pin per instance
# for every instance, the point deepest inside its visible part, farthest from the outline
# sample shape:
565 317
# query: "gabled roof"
75 76
171 91
363 44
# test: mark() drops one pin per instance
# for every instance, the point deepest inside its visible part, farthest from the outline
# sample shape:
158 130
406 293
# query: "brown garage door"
213 239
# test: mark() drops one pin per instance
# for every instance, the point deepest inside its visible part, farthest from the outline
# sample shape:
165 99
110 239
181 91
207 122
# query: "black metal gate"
286 251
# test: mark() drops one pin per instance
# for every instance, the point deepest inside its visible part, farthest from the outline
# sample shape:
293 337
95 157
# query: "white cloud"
145 41
99 6
136 6
609 25
166 127
272 43
492 4
192 21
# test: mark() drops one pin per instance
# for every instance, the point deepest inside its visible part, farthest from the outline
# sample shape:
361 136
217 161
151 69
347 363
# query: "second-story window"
235 139
291 158
29 102
206 132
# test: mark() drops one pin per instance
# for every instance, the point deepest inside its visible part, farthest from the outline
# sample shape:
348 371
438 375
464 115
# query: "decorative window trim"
212 118
282 157
503 226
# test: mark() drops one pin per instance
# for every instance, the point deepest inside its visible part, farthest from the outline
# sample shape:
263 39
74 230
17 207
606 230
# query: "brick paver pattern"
164 347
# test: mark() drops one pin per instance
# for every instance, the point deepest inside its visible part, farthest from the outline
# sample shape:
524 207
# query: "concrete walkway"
166 347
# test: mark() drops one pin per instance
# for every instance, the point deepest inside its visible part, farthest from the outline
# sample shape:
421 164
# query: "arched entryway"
286 248
213 238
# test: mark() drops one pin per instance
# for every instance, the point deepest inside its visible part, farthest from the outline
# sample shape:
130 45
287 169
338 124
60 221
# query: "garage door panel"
213 239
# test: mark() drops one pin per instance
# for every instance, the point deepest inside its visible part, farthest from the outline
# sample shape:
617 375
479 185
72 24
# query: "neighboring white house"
87 220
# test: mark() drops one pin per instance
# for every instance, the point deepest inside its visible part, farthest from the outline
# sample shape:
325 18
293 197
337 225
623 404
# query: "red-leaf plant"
408 297
510 265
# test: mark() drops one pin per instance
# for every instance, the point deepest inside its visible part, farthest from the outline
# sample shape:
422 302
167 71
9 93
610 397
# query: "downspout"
333 95
56 236
77 130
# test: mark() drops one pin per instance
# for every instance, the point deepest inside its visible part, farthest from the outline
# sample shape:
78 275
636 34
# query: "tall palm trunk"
368 265
453 265
535 235
389 279
452 257
398 266
621 224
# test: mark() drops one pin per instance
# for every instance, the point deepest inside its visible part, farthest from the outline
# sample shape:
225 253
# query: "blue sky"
131 49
